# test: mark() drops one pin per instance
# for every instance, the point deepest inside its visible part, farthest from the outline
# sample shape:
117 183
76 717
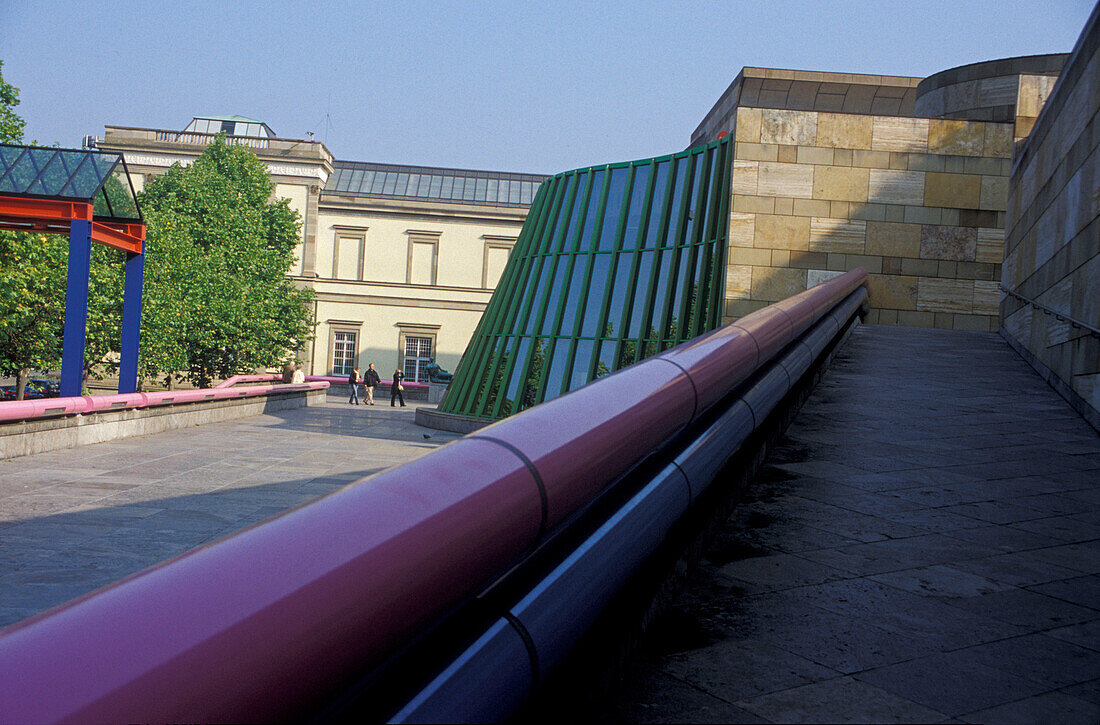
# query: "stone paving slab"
74 520
922 546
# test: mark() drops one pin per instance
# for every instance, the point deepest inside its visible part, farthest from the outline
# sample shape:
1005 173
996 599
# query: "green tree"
11 125
218 301
31 290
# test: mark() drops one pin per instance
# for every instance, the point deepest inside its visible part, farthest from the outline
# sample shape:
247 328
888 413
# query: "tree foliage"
217 253
216 298
11 125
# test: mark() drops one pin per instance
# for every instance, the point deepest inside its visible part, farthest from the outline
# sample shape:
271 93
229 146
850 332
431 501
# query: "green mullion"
516 303
490 361
722 235
570 261
692 326
678 250
492 319
546 258
691 250
636 262
667 227
716 239
565 259
616 253
545 232
712 252
597 229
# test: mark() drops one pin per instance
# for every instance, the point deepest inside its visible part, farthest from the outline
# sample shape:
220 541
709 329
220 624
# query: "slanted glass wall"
614 263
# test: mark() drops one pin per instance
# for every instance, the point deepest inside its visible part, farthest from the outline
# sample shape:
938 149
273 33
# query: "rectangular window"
349 258
418 351
343 353
423 257
495 259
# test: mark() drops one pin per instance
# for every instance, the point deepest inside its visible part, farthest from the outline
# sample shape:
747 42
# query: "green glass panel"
601 267
638 311
52 179
616 190
575 277
84 181
556 374
660 188
618 295
25 170
121 195
636 208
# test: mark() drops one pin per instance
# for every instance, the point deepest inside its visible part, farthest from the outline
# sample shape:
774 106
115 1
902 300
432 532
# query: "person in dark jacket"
353 383
370 379
396 388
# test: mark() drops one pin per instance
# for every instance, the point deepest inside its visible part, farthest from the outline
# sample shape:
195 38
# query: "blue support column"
76 307
131 323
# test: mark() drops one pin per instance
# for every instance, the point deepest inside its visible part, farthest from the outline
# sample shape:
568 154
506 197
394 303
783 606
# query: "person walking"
396 388
353 383
370 379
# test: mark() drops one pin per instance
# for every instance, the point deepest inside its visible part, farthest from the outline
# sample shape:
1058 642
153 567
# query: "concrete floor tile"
951 683
1024 608
1073 528
1088 691
740 669
940 581
840 700
1084 590
656 697
933 622
1049 707
1039 658
776 572
1086 634
1021 568
1004 539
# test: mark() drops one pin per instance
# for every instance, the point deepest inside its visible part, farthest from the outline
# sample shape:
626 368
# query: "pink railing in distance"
50 407
306 599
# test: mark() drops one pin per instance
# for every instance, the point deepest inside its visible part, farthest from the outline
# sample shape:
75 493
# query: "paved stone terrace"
922 546
77 519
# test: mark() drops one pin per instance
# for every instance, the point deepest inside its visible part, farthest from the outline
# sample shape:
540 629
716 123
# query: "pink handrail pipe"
262 625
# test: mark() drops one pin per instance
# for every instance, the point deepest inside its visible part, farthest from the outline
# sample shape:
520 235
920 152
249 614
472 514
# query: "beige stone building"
905 177
402 259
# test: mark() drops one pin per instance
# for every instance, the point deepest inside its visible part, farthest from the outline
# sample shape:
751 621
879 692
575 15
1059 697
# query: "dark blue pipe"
495 675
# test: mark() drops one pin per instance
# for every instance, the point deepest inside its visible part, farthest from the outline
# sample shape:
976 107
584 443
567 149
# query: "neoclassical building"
402 259
816 174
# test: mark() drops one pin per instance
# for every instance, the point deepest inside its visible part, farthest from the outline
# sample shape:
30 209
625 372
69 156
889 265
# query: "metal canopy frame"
87 194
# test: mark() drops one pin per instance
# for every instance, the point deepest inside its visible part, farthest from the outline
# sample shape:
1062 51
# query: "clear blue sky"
511 86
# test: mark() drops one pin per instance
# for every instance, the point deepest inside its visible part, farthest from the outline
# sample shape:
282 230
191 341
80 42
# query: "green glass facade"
614 263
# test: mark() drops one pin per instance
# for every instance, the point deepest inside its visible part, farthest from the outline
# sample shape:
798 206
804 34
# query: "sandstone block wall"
918 202
1052 249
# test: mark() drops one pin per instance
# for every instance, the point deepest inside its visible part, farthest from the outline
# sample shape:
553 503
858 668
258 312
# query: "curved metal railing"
259 625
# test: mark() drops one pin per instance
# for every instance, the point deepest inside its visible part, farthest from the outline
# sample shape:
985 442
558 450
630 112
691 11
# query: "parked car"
36 388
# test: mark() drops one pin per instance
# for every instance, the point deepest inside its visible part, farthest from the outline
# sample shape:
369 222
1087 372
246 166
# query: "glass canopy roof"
94 177
425 182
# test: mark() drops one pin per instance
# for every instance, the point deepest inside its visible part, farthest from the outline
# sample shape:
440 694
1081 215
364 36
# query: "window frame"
416 236
343 327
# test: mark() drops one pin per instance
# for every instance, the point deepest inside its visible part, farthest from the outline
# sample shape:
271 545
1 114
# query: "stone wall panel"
958 244
796 128
838 235
900 134
782 232
896 187
954 190
893 239
786 180
840 183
